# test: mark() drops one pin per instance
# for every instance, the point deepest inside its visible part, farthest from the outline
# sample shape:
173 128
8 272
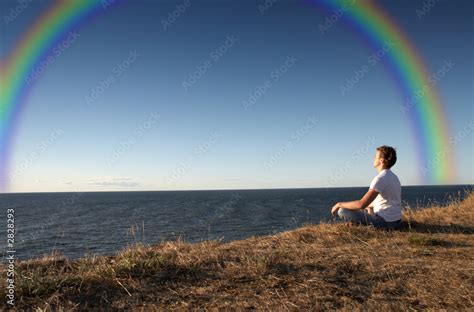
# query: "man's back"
388 203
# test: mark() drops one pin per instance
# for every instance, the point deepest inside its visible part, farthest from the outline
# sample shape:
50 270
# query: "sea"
103 223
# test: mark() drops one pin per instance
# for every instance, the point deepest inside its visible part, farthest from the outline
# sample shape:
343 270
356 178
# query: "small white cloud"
122 179
65 182
113 181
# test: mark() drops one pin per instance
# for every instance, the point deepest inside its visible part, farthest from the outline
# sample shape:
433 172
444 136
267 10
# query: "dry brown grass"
426 265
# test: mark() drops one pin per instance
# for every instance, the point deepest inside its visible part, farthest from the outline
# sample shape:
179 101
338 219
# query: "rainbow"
421 101
36 44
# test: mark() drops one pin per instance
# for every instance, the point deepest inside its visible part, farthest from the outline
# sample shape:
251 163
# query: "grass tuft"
426 241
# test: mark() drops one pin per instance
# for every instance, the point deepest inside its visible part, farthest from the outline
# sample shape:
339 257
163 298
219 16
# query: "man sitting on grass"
381 206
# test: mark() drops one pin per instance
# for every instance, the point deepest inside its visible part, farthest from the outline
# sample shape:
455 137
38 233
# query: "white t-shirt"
388 204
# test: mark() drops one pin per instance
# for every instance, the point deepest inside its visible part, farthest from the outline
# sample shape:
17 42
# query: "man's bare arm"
365 201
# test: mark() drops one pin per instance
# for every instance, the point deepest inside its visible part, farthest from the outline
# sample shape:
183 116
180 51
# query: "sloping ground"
426 265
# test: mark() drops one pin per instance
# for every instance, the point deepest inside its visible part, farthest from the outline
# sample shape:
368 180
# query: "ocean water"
77 224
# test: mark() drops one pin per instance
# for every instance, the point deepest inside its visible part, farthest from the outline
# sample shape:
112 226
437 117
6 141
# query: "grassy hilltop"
426 265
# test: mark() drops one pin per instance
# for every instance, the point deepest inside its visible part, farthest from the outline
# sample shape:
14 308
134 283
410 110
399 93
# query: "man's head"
385 157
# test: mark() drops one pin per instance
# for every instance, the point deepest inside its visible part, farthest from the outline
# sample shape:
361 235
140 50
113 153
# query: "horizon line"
231 189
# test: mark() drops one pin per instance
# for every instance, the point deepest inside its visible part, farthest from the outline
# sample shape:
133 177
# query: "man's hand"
370 210
334 209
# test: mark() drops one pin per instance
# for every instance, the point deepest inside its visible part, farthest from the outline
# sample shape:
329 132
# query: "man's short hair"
389 154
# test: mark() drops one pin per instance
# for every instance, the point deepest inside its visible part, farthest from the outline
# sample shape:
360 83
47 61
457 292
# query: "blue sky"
225 97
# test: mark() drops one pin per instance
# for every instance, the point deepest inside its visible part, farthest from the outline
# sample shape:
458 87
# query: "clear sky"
228 94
